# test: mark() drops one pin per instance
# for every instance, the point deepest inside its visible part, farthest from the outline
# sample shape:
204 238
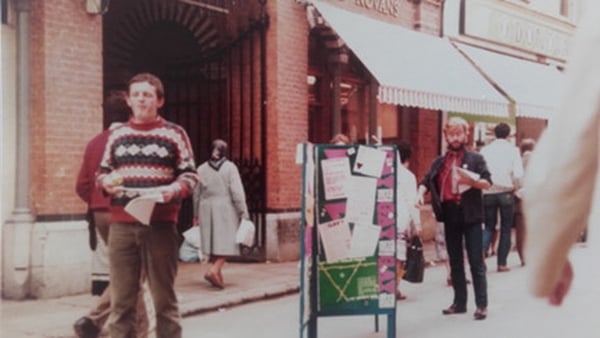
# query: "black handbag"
415 261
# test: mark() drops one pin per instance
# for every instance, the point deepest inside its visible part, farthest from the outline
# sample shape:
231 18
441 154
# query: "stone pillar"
17 247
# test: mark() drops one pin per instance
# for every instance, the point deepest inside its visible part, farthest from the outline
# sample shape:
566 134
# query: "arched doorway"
210 56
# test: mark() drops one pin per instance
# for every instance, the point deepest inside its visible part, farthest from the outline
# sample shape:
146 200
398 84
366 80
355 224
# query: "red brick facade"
529 128
425 140
287 67
76 57
67 95
66 88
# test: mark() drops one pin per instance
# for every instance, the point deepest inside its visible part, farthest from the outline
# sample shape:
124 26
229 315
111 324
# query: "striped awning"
412 68
535 88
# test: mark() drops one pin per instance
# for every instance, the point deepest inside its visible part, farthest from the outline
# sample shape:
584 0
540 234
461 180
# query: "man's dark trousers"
505 204
153 249
455 231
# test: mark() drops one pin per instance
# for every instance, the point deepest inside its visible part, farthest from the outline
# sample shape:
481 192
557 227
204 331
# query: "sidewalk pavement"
244 282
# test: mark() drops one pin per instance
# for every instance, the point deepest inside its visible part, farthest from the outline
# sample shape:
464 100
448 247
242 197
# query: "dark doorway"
212 63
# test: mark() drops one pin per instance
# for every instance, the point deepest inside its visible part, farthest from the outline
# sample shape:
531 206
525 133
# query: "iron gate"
224 96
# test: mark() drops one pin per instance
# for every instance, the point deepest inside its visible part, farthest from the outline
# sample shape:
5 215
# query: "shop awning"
414 69
535 88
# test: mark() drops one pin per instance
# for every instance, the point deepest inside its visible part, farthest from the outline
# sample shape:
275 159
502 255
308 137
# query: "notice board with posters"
348 250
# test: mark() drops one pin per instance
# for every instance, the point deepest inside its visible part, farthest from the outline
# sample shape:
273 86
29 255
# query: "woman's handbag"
245 233
415 261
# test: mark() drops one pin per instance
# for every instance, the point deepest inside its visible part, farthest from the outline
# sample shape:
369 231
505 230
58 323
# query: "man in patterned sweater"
146 155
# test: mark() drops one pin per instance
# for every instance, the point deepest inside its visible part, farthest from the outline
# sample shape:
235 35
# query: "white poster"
385 195
386 248
364 240
336 238
360 205
387 300
336 172
369 161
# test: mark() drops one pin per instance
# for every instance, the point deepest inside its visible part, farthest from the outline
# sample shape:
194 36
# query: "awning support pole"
373 90
336 109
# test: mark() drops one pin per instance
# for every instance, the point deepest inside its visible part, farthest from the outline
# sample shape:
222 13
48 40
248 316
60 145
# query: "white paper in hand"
142 207
464 187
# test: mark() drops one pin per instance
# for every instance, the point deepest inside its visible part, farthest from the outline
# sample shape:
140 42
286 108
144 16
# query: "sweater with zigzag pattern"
148 156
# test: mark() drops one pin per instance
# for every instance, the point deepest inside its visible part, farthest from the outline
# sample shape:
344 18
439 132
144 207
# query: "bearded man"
455 181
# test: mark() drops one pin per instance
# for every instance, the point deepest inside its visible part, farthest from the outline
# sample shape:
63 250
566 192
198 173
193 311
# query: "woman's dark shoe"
503 268
85 328
214 279
400 295
454 309
480 313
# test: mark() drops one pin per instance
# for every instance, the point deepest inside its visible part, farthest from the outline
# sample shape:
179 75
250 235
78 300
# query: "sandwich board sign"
348 246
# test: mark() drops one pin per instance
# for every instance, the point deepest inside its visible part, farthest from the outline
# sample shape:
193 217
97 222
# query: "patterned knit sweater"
149 155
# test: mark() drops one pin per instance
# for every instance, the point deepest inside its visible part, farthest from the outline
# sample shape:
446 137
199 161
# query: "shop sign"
520 28
385 7
389 8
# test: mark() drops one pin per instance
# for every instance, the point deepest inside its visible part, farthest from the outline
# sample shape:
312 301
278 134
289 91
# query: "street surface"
512 312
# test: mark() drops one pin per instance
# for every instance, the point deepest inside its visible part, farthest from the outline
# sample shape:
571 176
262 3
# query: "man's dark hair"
152 79
404 150
502 130
115 108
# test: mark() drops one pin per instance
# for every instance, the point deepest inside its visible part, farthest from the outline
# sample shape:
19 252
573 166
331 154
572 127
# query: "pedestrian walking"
562 186
91 325
527 145
455 181
145 155
220 205
408 220
504 163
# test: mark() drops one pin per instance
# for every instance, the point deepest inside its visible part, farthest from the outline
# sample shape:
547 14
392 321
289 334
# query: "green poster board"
348 264
349 286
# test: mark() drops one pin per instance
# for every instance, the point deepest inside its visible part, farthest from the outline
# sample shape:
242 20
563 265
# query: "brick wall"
287 68
529 128
425 134
66 85
426 138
